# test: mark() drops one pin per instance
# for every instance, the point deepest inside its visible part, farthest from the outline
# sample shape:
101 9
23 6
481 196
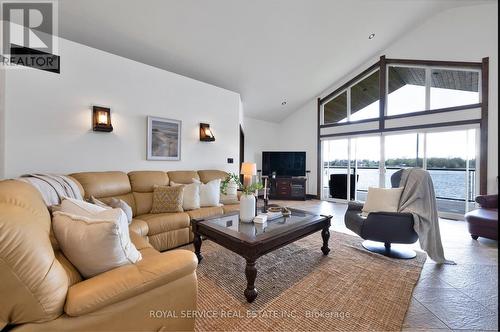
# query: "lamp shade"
249 168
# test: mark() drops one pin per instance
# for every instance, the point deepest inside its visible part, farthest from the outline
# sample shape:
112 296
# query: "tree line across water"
444 163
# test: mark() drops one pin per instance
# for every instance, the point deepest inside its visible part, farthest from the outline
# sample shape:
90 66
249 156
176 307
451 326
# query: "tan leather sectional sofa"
163 230
40 290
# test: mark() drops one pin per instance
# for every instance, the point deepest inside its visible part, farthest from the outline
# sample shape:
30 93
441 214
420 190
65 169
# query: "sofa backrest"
211 174
106 185
33 283
136 187
142 184
184 177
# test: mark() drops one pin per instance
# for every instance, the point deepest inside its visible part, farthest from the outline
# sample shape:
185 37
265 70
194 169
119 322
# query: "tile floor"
462 297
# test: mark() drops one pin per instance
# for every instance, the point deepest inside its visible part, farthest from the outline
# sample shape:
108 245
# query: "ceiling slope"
268 51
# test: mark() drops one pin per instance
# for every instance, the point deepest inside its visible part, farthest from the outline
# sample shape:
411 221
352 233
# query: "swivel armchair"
382 229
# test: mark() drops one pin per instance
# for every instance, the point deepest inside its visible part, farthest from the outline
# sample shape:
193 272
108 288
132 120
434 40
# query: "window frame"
382 65
428 85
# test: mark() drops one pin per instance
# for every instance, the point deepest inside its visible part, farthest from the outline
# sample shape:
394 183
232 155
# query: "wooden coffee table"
251 240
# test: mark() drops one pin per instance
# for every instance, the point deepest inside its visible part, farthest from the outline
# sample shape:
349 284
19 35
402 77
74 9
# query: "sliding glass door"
337 165
401 151
367 158
360 158
370 161
450 159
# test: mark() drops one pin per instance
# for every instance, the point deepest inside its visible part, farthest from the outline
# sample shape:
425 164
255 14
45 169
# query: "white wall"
460 34
303 121
260 136
269 136
48 116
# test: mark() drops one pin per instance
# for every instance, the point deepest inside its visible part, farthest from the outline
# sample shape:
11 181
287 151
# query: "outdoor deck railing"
448 186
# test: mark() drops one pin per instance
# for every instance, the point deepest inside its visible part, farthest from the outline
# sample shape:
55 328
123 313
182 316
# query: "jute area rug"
299 289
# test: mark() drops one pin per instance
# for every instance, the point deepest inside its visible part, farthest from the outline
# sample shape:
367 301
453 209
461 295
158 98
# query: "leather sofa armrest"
140 242
139 226
124 282
355 206
487 201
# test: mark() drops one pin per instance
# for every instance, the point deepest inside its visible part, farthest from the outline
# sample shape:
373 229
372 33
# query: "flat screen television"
283 163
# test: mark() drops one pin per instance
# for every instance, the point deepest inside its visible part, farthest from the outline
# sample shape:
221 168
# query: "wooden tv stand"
288 188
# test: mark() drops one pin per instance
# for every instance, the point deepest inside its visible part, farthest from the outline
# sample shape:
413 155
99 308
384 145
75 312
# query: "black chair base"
388 250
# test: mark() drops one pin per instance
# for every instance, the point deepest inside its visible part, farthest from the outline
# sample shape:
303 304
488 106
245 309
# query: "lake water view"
449 186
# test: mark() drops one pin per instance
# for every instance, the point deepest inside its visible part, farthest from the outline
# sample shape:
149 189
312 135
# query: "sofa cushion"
205 212
230 208
127 198
97 202
209 193
144 181
154 270
167 199
169 240
382 200
103 184
483 217
121 204
143 202
114 203
211 174
78 207
164 222
183 177
97 243
191 195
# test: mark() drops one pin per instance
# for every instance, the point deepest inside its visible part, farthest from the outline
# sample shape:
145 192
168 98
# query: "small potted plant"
248 201
229 186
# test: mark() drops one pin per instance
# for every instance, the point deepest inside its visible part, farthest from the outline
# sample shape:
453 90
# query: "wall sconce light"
206 134
101 119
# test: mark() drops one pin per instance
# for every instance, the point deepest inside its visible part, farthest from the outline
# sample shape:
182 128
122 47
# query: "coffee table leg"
325 234
197 246
251 274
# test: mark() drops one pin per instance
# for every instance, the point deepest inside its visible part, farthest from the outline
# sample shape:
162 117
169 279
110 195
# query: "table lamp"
248 170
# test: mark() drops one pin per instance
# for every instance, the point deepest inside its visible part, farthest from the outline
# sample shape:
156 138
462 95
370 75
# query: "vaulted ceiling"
269 51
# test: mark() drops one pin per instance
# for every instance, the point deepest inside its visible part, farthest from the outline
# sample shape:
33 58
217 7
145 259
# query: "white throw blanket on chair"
418 198
53 187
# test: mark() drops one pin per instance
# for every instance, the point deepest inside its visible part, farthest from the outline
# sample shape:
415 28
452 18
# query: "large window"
453 88
357 102
406 90
449 156
416 89
335 110
365 98
402 101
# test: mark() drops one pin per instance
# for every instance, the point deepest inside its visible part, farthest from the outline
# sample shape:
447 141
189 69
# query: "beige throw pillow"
191 195
167 199
97 243
121 204
97 202
382 200
80 207
114 203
